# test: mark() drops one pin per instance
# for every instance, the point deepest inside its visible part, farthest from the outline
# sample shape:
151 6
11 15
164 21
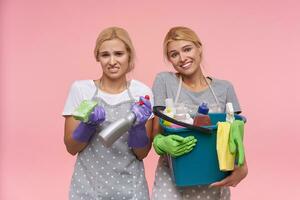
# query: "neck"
112 86
196 81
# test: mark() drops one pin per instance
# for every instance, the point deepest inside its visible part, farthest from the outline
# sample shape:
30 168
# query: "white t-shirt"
85 89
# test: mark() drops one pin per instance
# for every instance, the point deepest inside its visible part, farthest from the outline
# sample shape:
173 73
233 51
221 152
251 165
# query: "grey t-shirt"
166 84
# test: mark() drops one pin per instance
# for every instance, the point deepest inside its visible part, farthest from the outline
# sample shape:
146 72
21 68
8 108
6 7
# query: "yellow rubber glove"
225 157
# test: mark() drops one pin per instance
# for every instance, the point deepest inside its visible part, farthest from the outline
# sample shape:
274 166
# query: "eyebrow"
188 45
118 51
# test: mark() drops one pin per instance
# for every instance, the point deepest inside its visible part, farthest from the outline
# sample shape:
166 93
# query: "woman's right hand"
78 134
97 116
174 145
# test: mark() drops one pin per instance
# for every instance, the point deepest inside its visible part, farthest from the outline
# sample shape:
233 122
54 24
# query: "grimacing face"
114 58
185 56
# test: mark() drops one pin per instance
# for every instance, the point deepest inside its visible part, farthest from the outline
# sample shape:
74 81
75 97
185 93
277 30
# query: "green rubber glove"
236 140
174 145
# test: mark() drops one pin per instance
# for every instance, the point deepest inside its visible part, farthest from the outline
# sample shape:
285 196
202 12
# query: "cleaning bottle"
169 111
182 114
202 118
116 129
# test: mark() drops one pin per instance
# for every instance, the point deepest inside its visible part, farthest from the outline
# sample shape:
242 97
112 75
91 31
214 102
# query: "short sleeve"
73 100
159 91
231 97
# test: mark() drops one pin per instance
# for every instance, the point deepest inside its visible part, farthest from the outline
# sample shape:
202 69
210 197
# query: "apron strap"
129 92
178 90
96 90
214 94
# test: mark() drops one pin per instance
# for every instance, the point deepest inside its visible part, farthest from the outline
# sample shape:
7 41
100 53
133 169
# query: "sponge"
83 111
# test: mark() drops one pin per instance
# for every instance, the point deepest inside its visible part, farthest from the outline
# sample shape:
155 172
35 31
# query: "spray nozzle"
229 112
141 102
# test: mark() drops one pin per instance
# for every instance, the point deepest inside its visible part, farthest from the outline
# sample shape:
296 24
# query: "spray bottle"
229 112
116 129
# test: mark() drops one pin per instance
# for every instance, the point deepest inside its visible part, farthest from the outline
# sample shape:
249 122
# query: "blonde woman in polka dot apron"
116 172
183 50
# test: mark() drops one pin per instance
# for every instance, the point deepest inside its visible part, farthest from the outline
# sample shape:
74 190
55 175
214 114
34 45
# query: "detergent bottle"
201 117
182 114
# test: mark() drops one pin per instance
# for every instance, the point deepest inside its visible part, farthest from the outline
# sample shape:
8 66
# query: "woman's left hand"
142 110
238 174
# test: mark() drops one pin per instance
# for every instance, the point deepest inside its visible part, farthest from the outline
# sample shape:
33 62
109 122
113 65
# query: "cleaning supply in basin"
202 118
229 112
169 110
230 141
182 114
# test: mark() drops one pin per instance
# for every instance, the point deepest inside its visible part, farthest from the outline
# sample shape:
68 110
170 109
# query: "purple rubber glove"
84 131
142 110
137 134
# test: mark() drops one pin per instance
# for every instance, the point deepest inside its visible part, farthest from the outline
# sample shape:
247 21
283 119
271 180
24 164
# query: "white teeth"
113 69
186 64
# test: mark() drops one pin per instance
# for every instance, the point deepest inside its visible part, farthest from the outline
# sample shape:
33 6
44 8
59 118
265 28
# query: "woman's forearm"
72 146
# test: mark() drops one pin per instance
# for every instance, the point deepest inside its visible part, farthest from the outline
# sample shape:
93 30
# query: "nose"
182 57
112 60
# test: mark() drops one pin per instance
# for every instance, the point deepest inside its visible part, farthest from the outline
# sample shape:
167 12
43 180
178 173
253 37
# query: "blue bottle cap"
203 109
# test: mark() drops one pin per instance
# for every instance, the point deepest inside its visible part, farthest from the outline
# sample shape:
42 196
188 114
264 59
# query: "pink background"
46 45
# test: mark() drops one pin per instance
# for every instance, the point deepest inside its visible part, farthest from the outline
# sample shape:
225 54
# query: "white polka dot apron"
165 189
109 173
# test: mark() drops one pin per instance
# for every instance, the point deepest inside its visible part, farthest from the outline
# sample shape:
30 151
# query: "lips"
113 69
186 65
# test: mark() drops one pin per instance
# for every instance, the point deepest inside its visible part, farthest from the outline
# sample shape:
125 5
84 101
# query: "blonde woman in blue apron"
189 86
117 172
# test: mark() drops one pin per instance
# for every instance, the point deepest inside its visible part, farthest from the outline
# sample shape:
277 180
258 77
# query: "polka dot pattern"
165 189
109 173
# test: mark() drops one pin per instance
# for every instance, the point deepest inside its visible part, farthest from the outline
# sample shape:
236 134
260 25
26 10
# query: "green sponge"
83 111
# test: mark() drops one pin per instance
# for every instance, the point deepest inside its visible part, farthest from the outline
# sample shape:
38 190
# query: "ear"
130 67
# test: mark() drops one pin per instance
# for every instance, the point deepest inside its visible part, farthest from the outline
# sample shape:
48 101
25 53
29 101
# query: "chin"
115 76
188 72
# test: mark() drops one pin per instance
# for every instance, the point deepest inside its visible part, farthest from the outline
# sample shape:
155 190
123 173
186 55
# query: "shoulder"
219 83
137 86
79 91
165 75
83 88
83 84
165 78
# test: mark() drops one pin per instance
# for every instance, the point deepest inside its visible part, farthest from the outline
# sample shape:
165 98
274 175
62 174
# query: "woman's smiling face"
184 55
